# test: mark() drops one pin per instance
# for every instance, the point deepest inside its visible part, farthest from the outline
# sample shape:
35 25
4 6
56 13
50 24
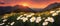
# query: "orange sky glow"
29 3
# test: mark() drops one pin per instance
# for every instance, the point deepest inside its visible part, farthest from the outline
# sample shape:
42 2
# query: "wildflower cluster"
45 18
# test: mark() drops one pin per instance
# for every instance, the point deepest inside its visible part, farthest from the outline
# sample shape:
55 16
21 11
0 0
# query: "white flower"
32 14
12 23
25 19
52 11
22 18
38 19
4 20
19 17
28 15
2 23
46 19
32 19
45 23
54 14
50 19
57 11
5 17
25 14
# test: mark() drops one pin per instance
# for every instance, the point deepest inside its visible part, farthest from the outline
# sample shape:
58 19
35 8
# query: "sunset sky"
29 3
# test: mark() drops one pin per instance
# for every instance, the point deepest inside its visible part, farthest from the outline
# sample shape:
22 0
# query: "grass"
13 16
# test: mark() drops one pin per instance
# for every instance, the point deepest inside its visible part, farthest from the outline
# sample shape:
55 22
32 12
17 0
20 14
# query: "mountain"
16 9
49 7
4 10
20 8
23 8
37 9
52 6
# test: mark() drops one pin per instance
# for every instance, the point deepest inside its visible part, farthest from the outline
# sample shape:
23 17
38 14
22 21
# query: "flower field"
46 18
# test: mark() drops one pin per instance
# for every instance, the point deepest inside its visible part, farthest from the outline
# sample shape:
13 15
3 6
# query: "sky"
29 3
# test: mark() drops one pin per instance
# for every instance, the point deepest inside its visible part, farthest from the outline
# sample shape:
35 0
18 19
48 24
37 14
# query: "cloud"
2 3
40 0
35 1
10 1
32 3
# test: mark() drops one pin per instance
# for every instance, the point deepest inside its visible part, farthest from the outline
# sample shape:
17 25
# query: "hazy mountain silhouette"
49 7
23 8
20 8
16 9
52 6
4 10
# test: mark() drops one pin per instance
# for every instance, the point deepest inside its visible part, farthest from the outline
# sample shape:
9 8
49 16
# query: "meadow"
45 18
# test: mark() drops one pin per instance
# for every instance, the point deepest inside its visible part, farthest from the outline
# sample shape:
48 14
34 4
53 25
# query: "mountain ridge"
20 8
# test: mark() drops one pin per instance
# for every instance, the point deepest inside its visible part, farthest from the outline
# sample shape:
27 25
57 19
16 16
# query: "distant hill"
4 10
52 6
16 9
20 8
37 9
23 8
49 7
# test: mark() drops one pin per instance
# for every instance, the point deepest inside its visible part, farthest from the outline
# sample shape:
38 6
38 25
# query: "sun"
25 4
